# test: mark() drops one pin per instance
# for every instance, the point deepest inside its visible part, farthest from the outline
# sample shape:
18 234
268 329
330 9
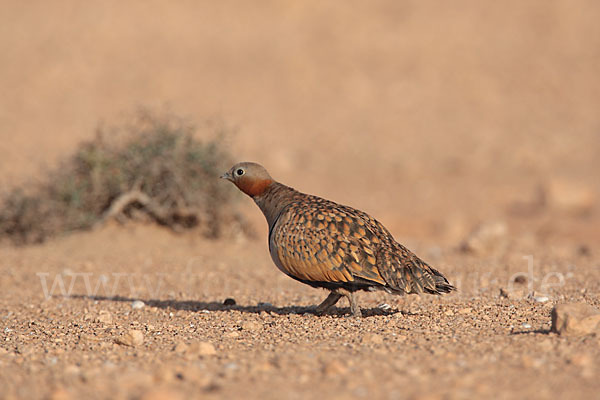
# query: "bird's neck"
274 200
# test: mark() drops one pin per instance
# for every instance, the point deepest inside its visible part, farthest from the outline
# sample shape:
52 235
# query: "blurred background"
433 116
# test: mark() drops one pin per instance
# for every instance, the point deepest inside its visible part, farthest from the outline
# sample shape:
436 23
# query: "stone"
251 326
138 304
575 319
229 302
206 349
540 299
518 293
200 349
132 338
88 338
104 317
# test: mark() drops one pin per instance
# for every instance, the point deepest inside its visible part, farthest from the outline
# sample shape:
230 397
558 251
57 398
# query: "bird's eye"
239 172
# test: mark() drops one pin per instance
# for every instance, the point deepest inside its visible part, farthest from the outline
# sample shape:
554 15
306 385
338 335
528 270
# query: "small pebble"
540 299
251 326
526 325
138 304
131 338
229 302
203 348
104 317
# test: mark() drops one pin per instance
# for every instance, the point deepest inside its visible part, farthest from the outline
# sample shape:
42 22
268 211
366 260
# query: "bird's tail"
441 283
410 274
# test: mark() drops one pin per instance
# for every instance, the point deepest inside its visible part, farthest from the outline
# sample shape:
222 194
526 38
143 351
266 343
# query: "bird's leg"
354 305
354 308
329 302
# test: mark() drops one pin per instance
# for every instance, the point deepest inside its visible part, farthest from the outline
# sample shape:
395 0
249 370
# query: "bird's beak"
227 176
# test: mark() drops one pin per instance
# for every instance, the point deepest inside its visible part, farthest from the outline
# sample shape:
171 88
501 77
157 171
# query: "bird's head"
251 178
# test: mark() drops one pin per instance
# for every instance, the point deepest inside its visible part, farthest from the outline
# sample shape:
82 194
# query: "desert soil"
470 129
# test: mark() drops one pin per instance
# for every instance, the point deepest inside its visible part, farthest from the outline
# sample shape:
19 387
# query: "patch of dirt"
136 310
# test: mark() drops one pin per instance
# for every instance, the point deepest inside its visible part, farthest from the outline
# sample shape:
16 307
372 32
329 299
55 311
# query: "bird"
332 246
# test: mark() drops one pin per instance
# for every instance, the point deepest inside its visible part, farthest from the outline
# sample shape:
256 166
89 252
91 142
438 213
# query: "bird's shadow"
199 306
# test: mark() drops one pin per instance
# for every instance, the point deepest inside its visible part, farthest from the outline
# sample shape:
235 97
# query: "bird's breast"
273 250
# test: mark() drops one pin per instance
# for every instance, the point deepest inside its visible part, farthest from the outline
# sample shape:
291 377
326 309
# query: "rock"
104 317
575 319
87 338
384 307
131 338
372 338
232 334
251 326
229 302
206 349
540 299
138 304
514 293
521 279
486 239
196 349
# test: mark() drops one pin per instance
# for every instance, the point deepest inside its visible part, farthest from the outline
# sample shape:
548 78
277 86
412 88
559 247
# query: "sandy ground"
435 117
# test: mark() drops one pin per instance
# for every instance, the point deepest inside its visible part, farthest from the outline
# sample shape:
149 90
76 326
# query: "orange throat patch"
255 187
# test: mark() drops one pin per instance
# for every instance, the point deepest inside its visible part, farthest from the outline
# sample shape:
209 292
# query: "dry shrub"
152 168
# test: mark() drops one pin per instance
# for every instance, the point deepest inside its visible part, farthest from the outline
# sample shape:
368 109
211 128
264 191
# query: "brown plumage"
325 244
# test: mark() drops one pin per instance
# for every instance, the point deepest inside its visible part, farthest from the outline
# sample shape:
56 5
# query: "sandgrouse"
328 245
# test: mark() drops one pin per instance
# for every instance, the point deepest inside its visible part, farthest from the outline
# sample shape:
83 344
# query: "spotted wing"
323 243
